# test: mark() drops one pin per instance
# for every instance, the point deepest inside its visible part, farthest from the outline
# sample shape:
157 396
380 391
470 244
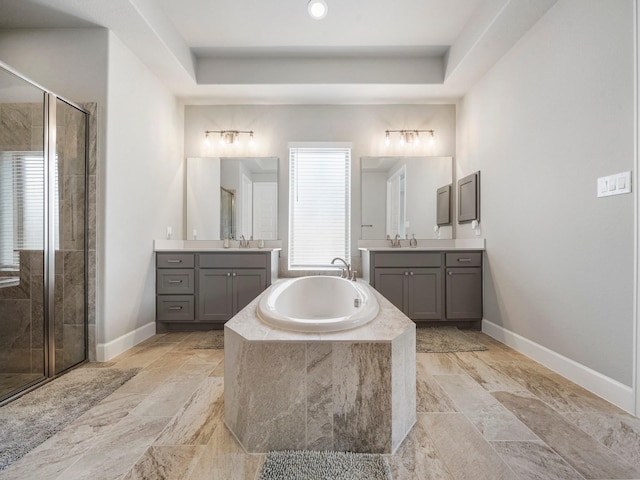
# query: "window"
319 206
22 205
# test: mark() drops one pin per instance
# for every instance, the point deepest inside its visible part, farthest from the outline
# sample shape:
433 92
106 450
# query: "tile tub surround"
349 391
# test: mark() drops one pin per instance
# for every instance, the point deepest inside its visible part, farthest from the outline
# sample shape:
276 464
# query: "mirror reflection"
399 196
232 197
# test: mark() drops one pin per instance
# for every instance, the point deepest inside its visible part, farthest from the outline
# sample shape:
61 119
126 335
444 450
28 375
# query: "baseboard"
107 351
603 386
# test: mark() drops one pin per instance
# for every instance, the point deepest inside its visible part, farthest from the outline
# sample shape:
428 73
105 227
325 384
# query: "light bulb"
417 138
251 142
207 142
402 139
317 9
387 140
431 139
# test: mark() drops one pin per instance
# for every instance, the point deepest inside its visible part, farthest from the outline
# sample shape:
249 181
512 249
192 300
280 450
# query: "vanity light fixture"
317 9
228 137
408 136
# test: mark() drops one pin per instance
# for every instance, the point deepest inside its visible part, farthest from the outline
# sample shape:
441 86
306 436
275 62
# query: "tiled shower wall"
21 329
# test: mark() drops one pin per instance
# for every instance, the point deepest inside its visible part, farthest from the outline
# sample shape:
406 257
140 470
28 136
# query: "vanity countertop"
463 244
219 249
212 246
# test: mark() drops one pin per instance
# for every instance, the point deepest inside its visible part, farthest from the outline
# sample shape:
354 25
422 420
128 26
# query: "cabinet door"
464 293
215 300
425 294
392 284
247 285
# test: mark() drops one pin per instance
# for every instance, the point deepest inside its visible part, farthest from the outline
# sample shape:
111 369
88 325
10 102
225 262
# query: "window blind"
22 205
319 206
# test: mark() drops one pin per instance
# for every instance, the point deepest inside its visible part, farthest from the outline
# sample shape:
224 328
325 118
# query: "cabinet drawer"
177 281
232 260
175 260
464 259
175 308
407 259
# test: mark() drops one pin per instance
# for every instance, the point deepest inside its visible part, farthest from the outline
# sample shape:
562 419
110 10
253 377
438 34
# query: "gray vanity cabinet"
202 290
415 291
430 286
175 287
412 281
223 293
464 286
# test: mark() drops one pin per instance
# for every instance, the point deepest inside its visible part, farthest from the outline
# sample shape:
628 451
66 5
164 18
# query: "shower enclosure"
43 235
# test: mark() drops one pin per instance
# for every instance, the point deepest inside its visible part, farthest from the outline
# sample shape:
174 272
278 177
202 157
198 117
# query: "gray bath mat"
38 415
445 339
213 339
310 465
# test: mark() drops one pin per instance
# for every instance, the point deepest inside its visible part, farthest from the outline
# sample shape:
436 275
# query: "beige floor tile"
224 458
463 450
535 461
491 418
166 400
487 376
417 458
145 356
439 363
584 453
620 433
115 453
166 463
430 397
196 420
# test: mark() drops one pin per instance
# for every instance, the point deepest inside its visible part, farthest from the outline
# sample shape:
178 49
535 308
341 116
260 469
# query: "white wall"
553 115
277 125
71 62
144 182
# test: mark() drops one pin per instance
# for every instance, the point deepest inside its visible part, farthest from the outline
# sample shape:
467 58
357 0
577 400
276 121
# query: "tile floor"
481 415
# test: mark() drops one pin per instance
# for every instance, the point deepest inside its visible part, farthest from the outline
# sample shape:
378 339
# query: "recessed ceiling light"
318 9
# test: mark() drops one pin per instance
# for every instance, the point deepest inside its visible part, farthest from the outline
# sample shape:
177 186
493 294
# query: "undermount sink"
318 304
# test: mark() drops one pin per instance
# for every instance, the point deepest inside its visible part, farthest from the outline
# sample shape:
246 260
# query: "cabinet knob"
406 273
411 273
174 281
233 274
174 261
228 274
175 308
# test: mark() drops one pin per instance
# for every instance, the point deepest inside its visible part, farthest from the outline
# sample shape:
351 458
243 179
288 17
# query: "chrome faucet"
394 242
346 270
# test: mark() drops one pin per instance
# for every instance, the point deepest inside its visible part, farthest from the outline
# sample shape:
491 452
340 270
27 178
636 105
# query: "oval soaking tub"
317 304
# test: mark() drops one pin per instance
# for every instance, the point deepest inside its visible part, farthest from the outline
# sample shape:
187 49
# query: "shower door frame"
49 154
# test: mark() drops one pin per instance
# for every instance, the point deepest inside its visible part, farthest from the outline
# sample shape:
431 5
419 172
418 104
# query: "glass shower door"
69 210
22 235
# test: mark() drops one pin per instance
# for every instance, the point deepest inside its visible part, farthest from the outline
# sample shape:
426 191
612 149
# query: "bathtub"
317 304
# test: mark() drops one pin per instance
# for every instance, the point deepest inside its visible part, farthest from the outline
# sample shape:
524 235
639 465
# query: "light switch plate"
616 184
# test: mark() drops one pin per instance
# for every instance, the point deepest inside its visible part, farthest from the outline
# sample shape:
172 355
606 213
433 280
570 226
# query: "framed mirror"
400 196
230 197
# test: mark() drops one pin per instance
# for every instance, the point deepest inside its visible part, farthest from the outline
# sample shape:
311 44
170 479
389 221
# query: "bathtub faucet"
347 268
